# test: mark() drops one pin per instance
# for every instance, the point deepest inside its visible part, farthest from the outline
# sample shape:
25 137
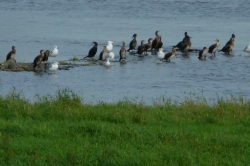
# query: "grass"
62 130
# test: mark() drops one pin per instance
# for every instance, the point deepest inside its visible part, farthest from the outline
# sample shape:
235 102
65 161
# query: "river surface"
73 24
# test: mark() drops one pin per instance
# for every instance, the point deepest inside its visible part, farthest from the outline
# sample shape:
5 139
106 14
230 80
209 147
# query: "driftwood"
11 65
28 67
189 50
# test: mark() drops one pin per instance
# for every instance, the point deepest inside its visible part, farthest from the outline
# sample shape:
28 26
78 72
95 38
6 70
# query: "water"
74 24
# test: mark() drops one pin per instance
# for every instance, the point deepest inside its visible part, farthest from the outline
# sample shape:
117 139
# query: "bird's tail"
86 57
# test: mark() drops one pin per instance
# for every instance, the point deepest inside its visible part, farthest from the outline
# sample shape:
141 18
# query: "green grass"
62 130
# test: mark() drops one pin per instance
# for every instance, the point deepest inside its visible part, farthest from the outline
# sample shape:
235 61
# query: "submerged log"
28 67
11 65
189 50
18 67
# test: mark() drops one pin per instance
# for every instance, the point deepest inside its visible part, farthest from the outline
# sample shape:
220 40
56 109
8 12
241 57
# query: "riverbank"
62 130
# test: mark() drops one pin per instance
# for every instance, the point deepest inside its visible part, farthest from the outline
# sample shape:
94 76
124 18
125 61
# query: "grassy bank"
64 131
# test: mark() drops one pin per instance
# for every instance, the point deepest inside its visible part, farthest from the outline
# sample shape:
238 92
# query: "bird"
169 55
160 53
186 38
54 66
38 59
148 46
54 52
247 48
203 53
11 54
185 44
122 52
107 62
109 46
214 47
92 51
140 49
159 44
156 40
103 54
179 45
133 43
228 48
46 55
111 56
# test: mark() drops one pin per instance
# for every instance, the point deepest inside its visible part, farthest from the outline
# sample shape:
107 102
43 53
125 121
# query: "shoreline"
62 129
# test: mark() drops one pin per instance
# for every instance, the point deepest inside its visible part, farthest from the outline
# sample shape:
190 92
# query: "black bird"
141 48
228 48
169 55
133 43
148 46
179 45
103 54
214 47
38 60
11 54
185 44
156 40
122 52
46 55
186 39
92 51
159 44
203 53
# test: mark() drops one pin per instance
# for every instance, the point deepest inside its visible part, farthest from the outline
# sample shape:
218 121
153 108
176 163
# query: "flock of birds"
39 63
43 57
154 45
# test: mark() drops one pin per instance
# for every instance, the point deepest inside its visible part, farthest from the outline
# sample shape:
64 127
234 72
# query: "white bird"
247 48
54 66
54 52
110 46
107 62
160 53
111 56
